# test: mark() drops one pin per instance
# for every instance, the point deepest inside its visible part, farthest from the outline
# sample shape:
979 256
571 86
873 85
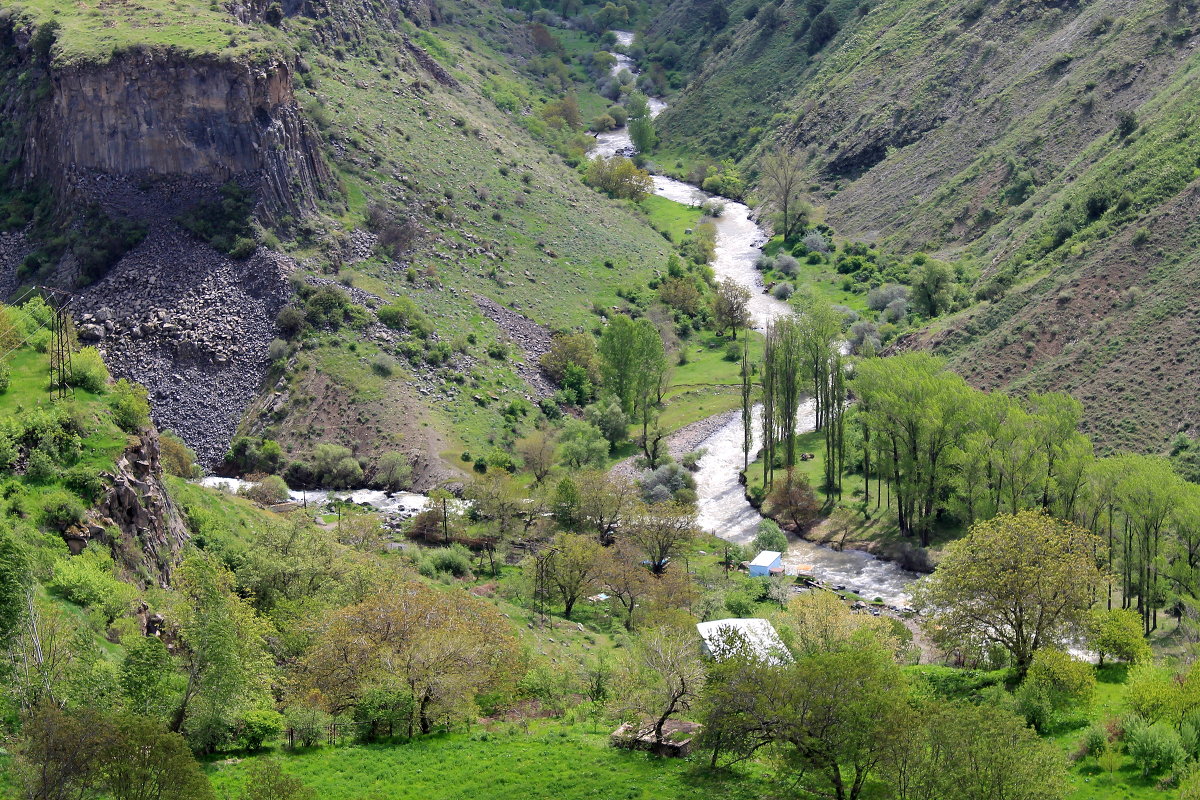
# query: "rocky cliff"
136 517
157 113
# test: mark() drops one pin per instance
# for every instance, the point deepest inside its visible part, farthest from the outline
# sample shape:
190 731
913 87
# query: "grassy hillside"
1048 148
456 185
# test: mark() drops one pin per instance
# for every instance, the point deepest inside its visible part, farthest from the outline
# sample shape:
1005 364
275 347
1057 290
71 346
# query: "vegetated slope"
1030 139
409 113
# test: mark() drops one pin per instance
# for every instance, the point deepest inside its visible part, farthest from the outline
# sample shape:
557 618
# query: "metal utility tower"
61 373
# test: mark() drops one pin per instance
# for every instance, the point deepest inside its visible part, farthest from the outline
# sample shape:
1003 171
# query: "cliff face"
136 517
161 114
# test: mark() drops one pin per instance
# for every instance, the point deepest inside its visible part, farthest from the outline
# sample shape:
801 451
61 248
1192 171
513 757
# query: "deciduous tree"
1024 581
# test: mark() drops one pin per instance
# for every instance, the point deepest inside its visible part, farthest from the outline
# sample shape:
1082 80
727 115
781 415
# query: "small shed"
765 561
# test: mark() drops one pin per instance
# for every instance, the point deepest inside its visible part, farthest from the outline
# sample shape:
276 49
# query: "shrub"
691 461
881 297
224 222
816 242
5 377
87 579
258 726
1127 123
607 415
403 314
291 321
393 472
667 483
85 482
88 371
453 560
783 291
383 366
267 492
1151 692
770 537
277 350
383 709
41 466
787 264
1094 741
326 307
61 509
307 722
740 604
1154 748
130 404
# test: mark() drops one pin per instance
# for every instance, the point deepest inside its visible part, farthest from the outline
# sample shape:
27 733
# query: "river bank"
722 506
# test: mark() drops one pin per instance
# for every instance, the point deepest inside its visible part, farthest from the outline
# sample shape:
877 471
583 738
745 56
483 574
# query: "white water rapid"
723 509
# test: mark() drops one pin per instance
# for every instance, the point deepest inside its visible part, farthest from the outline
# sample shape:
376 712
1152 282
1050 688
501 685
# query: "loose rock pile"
532 338
190 324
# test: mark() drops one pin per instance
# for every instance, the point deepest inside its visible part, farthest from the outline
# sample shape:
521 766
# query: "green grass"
93 31
670 216
1088 781
550 762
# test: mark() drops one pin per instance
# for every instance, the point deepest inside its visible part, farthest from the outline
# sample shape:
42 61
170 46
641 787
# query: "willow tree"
747 410
633 361
783 181
819 329
920 412
1148 494
783 376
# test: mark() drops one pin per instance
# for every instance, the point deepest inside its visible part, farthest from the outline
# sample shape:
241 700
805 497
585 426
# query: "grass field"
550 761
92 31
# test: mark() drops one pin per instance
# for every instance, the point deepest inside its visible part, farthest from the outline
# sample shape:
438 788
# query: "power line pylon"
61 373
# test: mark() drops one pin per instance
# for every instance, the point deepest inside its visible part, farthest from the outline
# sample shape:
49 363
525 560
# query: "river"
723 509
722 506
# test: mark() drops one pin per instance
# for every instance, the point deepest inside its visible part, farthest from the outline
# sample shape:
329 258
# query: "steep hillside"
393 150
1031 141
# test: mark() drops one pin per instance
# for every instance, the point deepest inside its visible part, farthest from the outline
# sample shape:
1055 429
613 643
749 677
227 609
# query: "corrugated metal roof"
765 559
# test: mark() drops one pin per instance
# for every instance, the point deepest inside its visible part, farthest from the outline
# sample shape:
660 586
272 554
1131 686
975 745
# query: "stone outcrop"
136 517
159 113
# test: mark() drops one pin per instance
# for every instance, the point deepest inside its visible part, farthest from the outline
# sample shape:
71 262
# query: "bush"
786 264
770 537
740 604
691 461
224 222
383 710
1154 748
403 315
1094 741
783 291
383 366
5 377
1152 693
308 723
130 403
88 371
881 297
667 483
291 321
393 473
259 725
453 560
176 457
267 492
61 510
41 466
277 350
85 482
87 579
